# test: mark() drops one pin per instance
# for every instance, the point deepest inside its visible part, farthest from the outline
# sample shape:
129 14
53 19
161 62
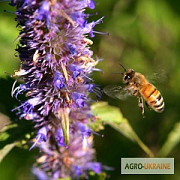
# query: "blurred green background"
145 36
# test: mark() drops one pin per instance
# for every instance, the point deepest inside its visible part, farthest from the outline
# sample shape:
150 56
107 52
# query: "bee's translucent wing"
116 92
160 76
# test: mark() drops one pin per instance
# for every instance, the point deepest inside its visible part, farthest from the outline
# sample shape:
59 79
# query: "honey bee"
137 85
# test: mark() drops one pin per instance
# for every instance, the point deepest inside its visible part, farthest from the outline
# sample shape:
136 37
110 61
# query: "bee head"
128 75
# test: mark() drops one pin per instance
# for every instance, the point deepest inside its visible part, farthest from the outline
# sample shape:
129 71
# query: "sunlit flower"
56 62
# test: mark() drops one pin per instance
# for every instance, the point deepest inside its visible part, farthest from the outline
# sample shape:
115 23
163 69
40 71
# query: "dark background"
145 36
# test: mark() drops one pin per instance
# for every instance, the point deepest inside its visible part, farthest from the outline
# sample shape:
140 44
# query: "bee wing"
116 92
160 76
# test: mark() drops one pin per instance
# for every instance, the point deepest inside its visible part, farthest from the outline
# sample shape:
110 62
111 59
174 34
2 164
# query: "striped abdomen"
153 97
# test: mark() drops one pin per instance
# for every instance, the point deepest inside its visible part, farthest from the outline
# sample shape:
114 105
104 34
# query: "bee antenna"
122 67
116 73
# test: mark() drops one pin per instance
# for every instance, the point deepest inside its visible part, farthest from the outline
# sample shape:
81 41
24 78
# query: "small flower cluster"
56 62
73 161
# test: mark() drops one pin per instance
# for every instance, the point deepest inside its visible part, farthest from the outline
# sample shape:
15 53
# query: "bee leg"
147 105
135 93
141 105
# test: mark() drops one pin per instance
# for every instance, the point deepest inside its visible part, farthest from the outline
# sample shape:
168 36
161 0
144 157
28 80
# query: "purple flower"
59 81
91 4
85 131
79 17
56 62
41 136
60 138
41 175
73 161
72 48
77 171
94 166
75 69
43 13
29 105
79 99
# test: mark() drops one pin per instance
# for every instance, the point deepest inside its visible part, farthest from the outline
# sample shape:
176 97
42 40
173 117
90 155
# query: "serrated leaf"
112 116
6 150
172 140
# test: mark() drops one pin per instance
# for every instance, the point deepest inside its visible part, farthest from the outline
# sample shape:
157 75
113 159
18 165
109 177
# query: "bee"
137 85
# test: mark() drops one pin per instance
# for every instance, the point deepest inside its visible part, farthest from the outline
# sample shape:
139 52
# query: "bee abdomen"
158 103
153 98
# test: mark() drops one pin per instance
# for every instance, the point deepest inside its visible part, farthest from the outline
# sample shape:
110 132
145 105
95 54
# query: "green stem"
144 147
125 128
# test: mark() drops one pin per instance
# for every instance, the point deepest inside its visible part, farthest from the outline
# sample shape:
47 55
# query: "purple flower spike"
56 62
73 161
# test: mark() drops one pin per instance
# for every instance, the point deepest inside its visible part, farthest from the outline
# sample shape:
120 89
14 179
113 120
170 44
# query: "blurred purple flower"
41 175
73 161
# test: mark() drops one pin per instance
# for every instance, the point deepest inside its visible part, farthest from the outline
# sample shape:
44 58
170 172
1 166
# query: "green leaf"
94 176
15 132
67 178
3 133
106 112
96 125
112 116
65 127
6 150
172 140
8 34
102 176
63 117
